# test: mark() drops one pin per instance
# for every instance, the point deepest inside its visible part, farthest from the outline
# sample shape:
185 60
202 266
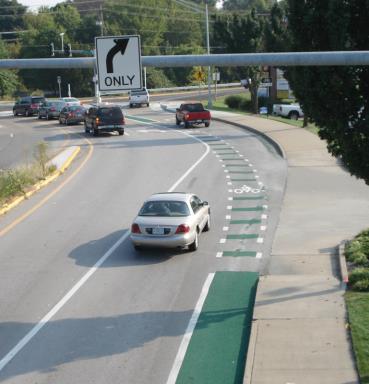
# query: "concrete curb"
271 141
342 263
16 201
251 352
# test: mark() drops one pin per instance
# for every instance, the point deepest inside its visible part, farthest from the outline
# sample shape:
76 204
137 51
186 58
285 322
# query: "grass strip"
358 313
218 348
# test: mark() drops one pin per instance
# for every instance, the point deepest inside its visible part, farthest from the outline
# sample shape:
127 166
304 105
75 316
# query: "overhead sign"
118 63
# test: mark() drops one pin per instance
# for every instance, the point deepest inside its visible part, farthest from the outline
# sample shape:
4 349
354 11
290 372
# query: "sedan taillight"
183 228
135 228
97 121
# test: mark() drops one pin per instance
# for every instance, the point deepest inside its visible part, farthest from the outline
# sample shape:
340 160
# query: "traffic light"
51 49
68 50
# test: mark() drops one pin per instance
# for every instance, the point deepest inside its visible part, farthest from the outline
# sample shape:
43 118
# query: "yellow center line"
51 194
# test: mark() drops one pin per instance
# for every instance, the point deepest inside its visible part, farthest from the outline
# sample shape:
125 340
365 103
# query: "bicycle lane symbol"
246 189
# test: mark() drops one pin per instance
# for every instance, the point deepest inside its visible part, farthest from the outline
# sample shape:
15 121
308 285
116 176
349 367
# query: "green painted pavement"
237 159
239 253
237 165
248 198
216 143
218 347
242 236
249 209
239 172
232 179
139 119
245 221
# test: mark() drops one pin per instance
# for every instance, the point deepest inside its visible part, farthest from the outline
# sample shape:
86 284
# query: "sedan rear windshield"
110 112
138 93
165 209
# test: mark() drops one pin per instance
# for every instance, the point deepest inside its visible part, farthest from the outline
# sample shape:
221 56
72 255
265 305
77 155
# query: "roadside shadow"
88 254
70 340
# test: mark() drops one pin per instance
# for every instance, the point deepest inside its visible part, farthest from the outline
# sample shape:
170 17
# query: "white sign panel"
118 63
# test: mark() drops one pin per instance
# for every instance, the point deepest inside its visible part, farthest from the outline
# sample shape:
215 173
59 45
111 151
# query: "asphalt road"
124 320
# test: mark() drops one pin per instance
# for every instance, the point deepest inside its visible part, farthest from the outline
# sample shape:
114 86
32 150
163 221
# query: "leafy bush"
357 250
359 279
233 101
246 105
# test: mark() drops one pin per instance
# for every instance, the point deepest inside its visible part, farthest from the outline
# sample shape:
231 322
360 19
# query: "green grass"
358 311
219 105
16 182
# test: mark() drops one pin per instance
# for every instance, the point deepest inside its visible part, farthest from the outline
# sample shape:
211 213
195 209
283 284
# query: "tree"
335 98
242 34
8 79
247 5
11 15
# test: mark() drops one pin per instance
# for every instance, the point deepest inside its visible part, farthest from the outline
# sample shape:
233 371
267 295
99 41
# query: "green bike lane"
218 342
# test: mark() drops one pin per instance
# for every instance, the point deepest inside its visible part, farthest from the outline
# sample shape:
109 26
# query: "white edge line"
219 254
25 340
189 331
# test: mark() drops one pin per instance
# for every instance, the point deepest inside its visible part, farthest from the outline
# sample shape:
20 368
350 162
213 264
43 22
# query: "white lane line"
230 190
26 339
228 217
222 241
229 182
219 254
189 331
264 217
263 228
259 255
225 229
229 207
230 198
260 240
33 332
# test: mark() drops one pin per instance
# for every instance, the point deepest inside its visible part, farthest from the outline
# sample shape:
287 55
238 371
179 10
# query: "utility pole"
62 41
210 104
101 20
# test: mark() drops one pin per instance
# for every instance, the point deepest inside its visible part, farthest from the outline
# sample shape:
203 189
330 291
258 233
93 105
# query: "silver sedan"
171 220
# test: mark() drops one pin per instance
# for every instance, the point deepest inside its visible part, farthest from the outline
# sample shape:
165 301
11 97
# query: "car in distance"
70 101
104 118
139 97
27 105
50 109
192 113
170 220
292 111
73 114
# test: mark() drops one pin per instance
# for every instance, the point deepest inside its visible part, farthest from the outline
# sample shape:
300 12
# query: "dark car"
72 114
104 118
27 105
50 109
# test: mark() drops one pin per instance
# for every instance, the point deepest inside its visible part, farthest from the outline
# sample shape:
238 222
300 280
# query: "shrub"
246 105
359 279
357 250
233 101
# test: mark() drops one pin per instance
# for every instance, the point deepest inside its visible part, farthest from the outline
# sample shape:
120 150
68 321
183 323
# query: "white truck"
292 111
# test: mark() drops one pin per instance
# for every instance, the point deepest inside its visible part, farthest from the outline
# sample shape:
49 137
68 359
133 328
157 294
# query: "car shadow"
88 254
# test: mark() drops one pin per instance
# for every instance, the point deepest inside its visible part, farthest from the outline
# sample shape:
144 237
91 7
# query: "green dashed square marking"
241 172
239 254
245 221
248 198
233 179
242 236
237 165
247 209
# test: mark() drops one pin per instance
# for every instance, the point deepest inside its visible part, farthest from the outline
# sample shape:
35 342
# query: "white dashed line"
219 254
222 241
225 229
229 207
264 217
230 198
259 255
228 217
263 228
260 240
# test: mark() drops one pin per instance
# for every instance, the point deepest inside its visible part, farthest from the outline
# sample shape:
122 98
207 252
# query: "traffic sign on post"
118 63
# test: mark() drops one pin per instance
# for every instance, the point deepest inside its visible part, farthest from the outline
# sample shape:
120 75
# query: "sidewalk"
299 328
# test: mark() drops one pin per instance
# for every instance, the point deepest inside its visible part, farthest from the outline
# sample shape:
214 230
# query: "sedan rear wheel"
192 247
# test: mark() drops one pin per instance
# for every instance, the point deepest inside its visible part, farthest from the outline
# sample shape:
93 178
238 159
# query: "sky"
35 4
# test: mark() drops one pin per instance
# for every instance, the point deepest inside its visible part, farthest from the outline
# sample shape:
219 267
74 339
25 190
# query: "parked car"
139 97
70 101
27 105
73 114
104 118
171 220
50 109
292 111
192 113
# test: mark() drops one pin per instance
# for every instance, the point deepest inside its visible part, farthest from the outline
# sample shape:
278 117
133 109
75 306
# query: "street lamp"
62 41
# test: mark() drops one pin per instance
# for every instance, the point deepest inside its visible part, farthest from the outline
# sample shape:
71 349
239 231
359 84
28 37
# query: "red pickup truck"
192 113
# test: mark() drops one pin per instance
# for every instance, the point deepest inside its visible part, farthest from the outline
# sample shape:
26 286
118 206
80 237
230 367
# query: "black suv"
104 118
27 105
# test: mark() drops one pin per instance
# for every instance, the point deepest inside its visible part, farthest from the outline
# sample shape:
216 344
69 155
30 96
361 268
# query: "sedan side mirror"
205 203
